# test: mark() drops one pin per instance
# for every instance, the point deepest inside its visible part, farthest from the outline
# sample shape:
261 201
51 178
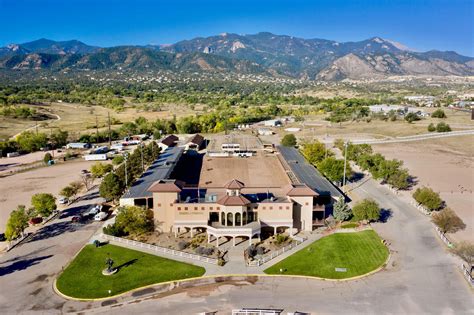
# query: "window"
270 208
210 208
218 208
171 204
195 208
307 203
202 208
179 208
264 208
287 207
158 205
185 208
281 208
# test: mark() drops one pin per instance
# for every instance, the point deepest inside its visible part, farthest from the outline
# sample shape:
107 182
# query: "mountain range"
262 53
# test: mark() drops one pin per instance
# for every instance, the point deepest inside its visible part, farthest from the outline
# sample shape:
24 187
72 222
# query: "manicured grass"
83 277
350 225
359 252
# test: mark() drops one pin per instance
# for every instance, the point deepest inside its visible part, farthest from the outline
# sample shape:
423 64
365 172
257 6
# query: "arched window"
244 218
230 219
222 218
238 221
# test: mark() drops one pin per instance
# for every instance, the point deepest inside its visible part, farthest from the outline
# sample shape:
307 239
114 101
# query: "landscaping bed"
353 254
83 277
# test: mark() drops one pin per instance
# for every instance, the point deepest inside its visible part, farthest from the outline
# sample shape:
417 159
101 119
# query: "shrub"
251 250
260 250
288 140
47 158
439 113
443 127
280 238
431 127
182 245
411 117
118 159
367 209
114 230
448 221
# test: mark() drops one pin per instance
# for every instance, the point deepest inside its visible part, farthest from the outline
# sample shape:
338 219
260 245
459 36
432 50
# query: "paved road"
426 136
27 272
422 278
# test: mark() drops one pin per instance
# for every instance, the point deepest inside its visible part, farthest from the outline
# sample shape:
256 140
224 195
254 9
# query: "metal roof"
161 168
308 174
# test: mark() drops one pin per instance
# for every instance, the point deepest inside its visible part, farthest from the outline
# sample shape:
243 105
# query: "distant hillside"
262 53
48 47
129 57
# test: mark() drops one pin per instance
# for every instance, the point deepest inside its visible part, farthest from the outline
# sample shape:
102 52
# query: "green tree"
47 157
341 210
111 187
59 138
431 127
448 221
29 141
17 223
428 198
366 209
288 140
67 192
315 152
43 203
134 220
399 179
439 113
333 169
99 169
117 160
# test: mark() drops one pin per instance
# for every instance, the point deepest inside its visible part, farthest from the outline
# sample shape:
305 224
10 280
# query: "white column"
250 241
233 240
191 232
274 230
233 219
217 241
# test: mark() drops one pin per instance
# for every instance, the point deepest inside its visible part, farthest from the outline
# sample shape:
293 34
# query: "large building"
285 193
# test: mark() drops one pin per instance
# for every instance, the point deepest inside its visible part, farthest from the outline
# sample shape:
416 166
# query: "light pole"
345 163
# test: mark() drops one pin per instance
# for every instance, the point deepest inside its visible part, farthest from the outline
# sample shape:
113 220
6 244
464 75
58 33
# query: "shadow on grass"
22 265
124 265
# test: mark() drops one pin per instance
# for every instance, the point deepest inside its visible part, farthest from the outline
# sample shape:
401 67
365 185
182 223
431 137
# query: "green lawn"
83 277
359 252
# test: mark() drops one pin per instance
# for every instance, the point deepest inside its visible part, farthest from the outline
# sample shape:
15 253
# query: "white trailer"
95 157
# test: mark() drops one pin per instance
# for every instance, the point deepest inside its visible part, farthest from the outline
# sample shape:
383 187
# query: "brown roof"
197 139
170 140
233 201
299 190
166 186
234 184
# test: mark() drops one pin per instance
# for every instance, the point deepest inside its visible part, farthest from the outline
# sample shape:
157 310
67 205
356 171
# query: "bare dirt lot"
257 171
447 166
18 189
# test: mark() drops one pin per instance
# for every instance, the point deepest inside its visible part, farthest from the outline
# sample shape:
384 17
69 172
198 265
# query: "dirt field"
18 189
447 166
257 171
246 141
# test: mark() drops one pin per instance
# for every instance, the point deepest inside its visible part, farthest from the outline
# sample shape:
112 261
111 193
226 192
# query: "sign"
341 269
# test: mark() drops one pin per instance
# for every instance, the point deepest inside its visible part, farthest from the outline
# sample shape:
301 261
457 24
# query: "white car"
63 201
101 216
93 211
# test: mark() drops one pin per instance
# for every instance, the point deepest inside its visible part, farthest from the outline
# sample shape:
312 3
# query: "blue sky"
419 24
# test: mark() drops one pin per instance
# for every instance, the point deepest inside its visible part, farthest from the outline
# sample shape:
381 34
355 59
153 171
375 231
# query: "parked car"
63 201
78 219
2 237
101 216
84 172
36 220
93 211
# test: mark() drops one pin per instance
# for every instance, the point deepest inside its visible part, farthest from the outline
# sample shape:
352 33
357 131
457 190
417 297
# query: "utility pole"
126 175
97 129
110 132
141 150
345 163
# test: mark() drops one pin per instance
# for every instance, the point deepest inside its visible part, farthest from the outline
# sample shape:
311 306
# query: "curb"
187 280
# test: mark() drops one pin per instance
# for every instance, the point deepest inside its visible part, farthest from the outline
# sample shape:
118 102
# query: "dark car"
2 237
79 219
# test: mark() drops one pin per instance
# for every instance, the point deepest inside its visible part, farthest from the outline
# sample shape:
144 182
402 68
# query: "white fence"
159 249
467 274
420 208
443 237
264 259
